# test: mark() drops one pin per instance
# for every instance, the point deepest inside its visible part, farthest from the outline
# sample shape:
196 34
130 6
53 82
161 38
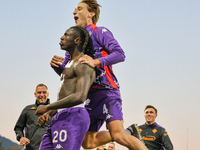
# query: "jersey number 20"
61 136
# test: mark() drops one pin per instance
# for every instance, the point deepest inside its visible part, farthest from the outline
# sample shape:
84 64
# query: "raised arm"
107 41
58 63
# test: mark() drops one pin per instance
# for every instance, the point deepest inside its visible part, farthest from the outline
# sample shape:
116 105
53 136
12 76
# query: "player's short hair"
150 106
86 42
93 6
41 84
112 143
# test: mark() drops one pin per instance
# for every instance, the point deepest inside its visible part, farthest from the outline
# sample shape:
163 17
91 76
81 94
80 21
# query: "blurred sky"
161 40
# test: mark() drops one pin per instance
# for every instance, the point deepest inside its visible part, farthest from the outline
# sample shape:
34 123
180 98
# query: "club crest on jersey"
154 131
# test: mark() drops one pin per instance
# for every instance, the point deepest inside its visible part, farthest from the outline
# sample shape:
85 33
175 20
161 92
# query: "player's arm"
58 63
127 131
110 44
167 144
115 53
24 141
84 81
45 117
19 127
20 124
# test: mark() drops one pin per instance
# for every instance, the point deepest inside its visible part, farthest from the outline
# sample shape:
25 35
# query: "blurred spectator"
28 132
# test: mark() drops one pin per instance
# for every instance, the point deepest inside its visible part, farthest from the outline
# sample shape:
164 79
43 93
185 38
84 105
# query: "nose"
61 37
74 13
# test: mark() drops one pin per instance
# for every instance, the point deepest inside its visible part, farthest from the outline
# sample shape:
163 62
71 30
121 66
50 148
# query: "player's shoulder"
83 67
102 29
29 107
159 127
142 126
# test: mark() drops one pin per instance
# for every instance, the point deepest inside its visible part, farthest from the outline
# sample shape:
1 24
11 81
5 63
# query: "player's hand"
41 110
24 141
56 61
42 119
85 59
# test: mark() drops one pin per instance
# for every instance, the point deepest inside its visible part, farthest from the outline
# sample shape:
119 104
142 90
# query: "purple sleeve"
60 69
109 43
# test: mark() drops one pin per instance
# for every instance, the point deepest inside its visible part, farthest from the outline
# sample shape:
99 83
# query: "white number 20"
62 133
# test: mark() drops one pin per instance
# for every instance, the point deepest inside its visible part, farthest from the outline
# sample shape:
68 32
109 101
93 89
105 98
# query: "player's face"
101 147
150 115
41 94
111 146
67 40
82 16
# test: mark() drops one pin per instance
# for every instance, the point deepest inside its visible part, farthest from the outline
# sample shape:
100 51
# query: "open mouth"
75 18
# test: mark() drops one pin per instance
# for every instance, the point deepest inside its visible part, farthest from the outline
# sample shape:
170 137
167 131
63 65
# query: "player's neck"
75 55
150 123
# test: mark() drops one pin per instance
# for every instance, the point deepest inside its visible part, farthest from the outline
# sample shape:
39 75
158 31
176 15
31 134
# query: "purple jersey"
108 51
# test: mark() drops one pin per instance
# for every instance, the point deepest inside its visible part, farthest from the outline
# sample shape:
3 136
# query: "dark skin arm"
83 73
56 61
45 117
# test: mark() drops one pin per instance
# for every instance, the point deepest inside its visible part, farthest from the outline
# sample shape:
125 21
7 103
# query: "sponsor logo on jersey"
58 146
149 138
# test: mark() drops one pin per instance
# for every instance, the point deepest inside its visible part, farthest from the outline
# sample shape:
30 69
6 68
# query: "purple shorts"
67 130
103 105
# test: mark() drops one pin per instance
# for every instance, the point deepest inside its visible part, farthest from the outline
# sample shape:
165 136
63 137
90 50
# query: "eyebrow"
149 111
78 7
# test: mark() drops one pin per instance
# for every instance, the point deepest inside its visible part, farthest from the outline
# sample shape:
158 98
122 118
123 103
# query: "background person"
154 136
27 130
111 146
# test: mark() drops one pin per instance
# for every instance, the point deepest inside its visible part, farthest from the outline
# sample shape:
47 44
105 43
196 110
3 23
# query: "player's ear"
77 40
91 14
35 94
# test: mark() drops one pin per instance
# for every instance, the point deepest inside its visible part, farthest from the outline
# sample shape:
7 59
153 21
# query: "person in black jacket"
154 136
28 132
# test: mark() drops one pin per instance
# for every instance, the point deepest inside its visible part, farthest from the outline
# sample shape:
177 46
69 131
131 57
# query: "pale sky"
161 40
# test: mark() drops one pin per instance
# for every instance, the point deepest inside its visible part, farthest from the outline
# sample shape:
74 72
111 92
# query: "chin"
42 102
